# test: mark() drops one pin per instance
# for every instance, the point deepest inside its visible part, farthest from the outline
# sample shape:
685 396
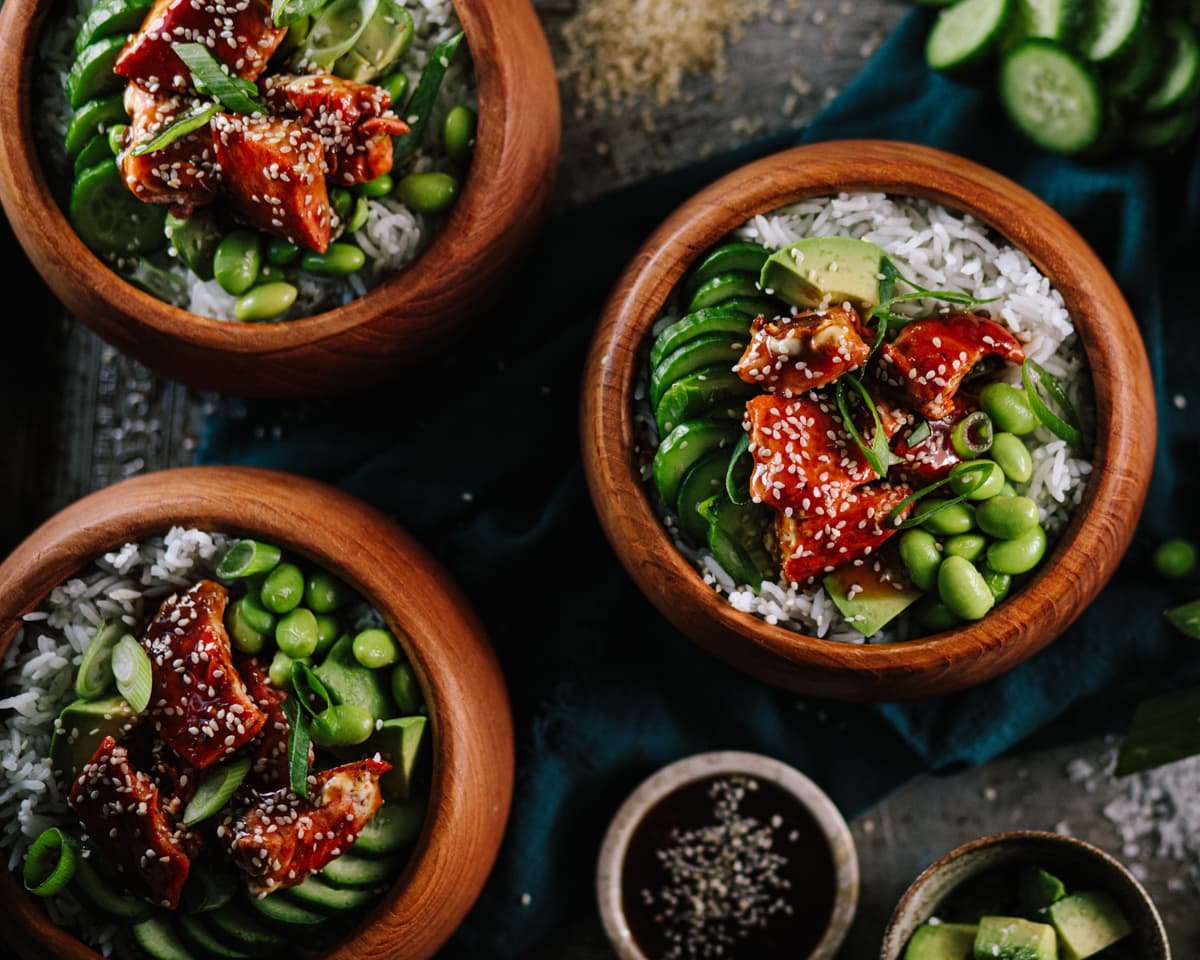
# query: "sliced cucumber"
698 393
1166 130
727 258
1110 27
320 896
708 322
706 479
235 923
110 18
351 871
1180 78
1129 75
1052 96
735 537
684 447
91 74
208 888
279 909
711 351
94 117
1053 19
724 286
95 677
96 151
196 934
159 938
966 33
103 894
395 825
110 219
752 306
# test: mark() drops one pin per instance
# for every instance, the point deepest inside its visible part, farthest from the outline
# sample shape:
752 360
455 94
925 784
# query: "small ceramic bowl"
834 836
1088 550
459 674
1051 851
410 316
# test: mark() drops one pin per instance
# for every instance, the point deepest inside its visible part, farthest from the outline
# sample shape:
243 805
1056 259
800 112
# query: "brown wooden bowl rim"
878 670
460 678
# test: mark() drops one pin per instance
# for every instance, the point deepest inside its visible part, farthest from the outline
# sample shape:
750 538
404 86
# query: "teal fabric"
477 454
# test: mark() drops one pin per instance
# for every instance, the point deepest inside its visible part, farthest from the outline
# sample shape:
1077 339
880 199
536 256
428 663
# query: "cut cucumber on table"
1052 19
1110 27
966 33
1052 96
1179 81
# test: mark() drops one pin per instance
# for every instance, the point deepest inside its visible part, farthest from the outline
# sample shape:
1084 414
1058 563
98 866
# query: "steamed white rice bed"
941 250
393 235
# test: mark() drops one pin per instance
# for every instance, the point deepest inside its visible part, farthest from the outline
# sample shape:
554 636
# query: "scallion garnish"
50 863
248 558
336 31
1065 427
420 104
887 296
310 691
981 470
95 674
287 12
1164 729
299 741
972 435
133 672
184 124
1186 619
210 79
877 453
918 434
216 790
737 485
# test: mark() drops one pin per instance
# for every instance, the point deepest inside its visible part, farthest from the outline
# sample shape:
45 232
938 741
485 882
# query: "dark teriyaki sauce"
729 866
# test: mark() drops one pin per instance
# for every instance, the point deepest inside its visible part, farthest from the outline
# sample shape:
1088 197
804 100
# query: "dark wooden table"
79 416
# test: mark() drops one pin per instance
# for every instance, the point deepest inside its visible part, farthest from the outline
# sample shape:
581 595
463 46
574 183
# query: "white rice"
393 235
941 250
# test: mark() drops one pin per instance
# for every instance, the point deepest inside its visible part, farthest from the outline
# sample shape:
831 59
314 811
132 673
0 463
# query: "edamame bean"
458 132
342 725
1007 517
375 648
359 217
280 671
381 186
323 593
948 520
969 546
283 589
237 260
431 192
963 590
116 137
282 252
935 616
296 633
921 557
1008 490
338 261
1175 558
1019 555
397 87
242 635
265 301
328 630
965 475
1013 457
342 202
999 583
1009 408
258 616
405 689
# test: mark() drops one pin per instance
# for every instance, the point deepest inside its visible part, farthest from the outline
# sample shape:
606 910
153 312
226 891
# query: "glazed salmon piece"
273 171
121 810
791 355
354 121
283 838
182 175
198 704
239 33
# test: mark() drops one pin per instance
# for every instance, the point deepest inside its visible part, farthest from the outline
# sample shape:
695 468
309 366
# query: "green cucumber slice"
208 888
1167 130
196 934
159 938
320 896
110 219
103 894
966 33
684 447
1110 27
1053 19
1180 79
705 480
724 286
728 258
235 923
1129 75
1052 96
96 151
752 306
698 393
395 825
110 18
735 537
91 74
711 351
351 871
278 909
94 117
707 322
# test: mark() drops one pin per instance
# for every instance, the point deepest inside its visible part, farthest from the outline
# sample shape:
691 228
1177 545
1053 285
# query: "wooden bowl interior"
472 744
1087 551
412 314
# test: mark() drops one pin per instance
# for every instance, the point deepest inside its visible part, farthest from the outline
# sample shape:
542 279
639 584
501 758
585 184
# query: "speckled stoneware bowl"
1053 852
700 767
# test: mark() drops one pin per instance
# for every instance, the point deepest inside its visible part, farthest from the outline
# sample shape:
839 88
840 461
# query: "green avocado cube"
941 941
823 270
1014 938
400 742
867 603
348 681
1039 889
1088 923
80 728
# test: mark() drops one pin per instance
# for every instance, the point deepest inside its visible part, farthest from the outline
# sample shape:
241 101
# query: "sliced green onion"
981 470
888 275
299 740
310 691
1186 619
1065 427
216 790
287 12
248 558
877 454
134 674
336 31
184 124
738 487
95 670
1164 729
918 434
420 105
972 435
50 863
210 79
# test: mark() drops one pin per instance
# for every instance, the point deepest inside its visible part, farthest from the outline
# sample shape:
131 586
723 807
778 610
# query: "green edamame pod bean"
243 636
342 202
1008 490
1007 517
427 192
375 648
921 557
339 260
1009 408
397 87
116 137
324 593
935 616
955 518
265 301
969 546
342 725
381 186
283 589
1175 558
1013 457
405 689
358 218
961 481
280 671
328 630
258 616
999 583
1019 555
282 252
458 132
296 633
963 590
237 261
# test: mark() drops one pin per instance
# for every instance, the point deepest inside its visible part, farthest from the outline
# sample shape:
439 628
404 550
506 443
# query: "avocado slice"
399 742
1013 938
1088 923
348 681
80 728
868 603
1039 889
941 941
819 270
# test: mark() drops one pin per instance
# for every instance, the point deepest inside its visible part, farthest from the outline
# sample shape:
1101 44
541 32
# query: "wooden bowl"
1050 851
1086 554
460 677
409 316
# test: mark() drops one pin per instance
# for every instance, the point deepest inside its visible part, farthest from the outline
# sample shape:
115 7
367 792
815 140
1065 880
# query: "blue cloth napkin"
477 455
